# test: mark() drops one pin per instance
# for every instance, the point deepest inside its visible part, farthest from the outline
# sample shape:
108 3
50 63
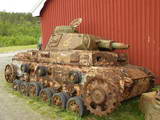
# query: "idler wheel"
100 96
10 73
46 94
75 104
75 77
34 89
41 71
25 68
16 85
24 88
60 99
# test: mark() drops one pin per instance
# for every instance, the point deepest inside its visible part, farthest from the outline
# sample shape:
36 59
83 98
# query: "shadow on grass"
128 110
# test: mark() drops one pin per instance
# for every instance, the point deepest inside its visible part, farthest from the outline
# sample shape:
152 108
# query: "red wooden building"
135 22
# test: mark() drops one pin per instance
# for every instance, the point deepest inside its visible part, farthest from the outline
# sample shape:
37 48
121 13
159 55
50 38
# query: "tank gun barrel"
117 45
111 45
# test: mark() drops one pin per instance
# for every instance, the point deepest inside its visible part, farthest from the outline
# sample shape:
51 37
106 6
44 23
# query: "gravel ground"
11 106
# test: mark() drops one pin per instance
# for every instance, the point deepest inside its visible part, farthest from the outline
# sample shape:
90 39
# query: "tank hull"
113 81
131 80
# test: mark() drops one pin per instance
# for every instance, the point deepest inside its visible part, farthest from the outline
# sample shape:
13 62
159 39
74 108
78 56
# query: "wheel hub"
57 100
73 106
98 95
8 71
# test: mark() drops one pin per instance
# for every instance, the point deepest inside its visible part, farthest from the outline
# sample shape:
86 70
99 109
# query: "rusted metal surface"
101 78
134 22
10 73
124 82
77 57
68 38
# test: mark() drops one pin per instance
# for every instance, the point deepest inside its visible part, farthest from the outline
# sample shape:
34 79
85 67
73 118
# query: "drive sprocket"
100 96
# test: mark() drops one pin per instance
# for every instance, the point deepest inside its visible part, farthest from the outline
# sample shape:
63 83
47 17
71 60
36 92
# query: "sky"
18 5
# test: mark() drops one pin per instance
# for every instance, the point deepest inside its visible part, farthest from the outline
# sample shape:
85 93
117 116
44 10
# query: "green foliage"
18 29
156 88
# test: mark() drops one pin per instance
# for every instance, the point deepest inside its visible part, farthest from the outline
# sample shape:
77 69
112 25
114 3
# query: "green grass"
128 110
15 48
157 87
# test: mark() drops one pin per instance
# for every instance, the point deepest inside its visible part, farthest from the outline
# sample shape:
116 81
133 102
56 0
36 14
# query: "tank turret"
68 38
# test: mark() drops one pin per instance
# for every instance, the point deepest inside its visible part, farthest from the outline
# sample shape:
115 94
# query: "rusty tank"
79 71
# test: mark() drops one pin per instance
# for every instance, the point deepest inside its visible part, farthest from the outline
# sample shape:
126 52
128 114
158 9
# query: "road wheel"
75 104
25 68
24 88
59 99
46 94
41 71
75 77
16 85
34 89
